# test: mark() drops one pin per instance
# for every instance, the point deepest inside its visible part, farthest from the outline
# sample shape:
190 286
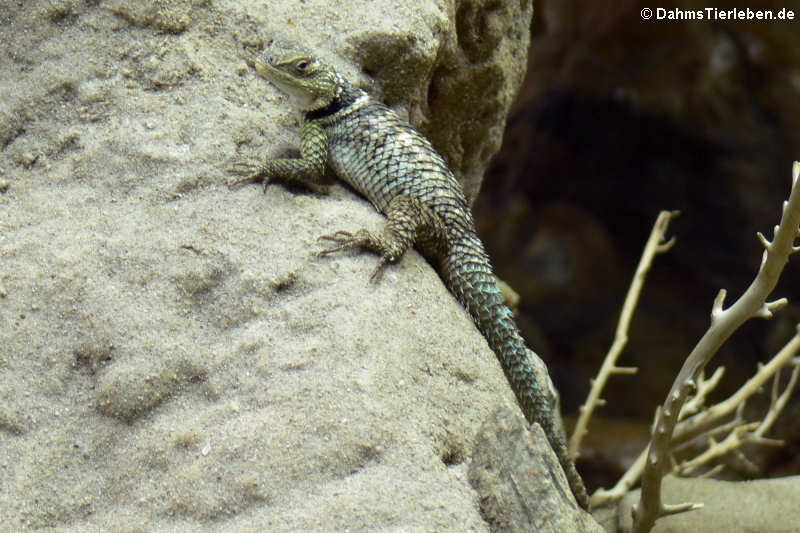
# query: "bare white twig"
704 387
778 402
655 245
603 497
723 323
739 435
694 426
744 433
705 421
714 432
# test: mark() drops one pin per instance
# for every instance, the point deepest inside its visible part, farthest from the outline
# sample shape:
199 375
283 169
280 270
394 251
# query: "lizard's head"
311 83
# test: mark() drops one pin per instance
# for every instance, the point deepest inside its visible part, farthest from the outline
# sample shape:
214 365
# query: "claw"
244 168
342 239
250 171
338 236
378 272
236 184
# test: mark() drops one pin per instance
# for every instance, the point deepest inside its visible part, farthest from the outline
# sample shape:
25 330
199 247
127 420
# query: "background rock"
519 481
764 505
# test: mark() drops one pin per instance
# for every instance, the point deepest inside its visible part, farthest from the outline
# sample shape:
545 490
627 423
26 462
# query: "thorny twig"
723 323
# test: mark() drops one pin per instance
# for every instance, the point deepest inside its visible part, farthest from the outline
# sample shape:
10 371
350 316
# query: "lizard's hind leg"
409 222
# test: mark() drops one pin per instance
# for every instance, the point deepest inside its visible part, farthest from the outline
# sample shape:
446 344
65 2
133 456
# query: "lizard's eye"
301 65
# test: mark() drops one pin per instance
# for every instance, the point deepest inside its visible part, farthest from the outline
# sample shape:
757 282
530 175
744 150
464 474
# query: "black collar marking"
338 103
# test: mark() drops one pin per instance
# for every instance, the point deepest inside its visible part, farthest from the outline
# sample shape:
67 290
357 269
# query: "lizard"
398 170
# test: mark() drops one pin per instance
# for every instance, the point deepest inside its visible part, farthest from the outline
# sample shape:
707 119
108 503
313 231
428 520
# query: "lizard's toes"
250 171
243 168
341 240
339 236
253 178
379 269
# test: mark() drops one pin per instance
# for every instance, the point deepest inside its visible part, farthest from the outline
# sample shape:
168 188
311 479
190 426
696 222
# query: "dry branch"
723 323
705 422
655 245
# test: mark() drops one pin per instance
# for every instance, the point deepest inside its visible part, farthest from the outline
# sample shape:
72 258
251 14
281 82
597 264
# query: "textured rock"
172 355
519 481
475 82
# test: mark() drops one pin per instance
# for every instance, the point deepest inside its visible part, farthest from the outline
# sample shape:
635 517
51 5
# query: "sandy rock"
173 356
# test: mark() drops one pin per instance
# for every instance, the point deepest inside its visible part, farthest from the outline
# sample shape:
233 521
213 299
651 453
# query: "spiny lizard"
398 170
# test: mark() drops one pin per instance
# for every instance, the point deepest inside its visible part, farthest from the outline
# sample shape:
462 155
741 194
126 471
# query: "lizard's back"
382 156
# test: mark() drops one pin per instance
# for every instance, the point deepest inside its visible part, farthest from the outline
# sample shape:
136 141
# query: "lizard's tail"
470 278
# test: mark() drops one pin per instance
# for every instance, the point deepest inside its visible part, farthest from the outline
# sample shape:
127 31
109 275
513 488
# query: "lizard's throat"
341 101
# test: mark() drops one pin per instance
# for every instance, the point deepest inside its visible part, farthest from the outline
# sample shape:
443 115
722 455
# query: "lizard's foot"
344 240
363 239
409 221
251 171
270 171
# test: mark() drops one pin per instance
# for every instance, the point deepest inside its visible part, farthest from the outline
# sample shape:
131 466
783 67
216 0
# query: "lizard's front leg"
305 171
409 222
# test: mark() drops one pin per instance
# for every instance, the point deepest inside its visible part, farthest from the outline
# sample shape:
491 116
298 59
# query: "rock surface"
172 355
519 482
764 505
